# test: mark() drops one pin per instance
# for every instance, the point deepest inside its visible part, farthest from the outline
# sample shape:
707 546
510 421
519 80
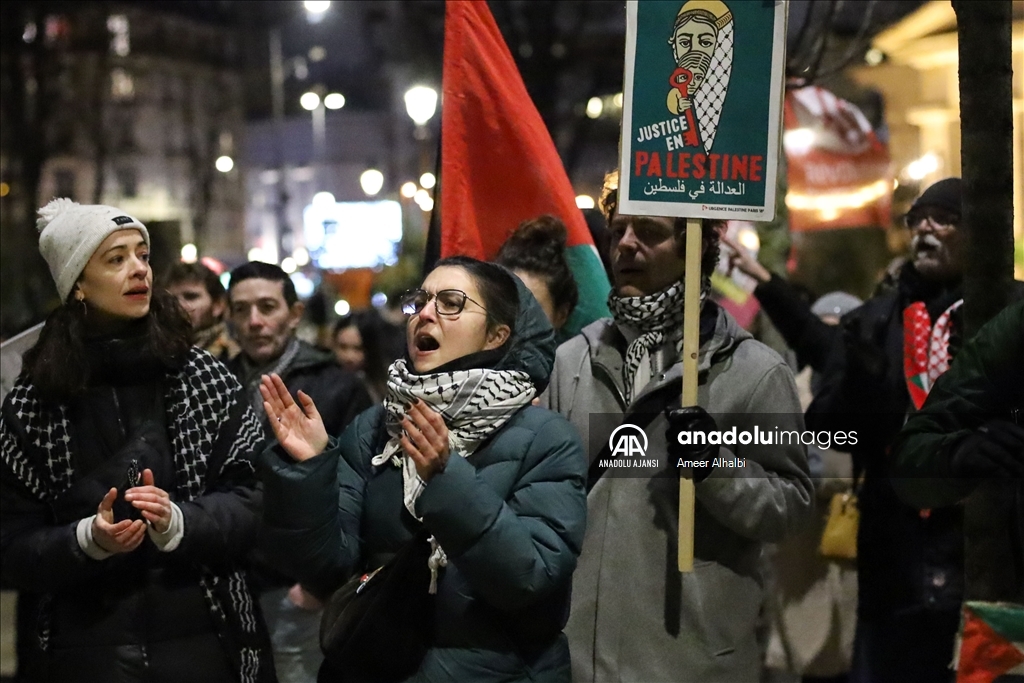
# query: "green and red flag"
991 647
499 165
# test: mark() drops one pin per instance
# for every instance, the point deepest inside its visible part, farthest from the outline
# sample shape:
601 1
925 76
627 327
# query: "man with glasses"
881 368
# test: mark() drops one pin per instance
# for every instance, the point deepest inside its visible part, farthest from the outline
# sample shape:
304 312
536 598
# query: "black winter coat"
147 615
339 395
803 331
907 559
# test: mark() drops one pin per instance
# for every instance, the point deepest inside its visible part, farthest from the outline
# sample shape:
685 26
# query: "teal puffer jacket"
510 517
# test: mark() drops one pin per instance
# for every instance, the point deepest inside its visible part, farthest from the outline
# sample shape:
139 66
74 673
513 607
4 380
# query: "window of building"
128 181
122 85
120 42
64 183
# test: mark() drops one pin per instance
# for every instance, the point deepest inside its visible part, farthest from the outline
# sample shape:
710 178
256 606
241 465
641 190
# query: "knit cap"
946 194
69 234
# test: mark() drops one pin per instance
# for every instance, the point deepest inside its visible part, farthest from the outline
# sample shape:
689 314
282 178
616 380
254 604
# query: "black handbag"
379 625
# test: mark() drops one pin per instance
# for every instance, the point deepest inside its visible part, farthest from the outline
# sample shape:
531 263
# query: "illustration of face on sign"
702 43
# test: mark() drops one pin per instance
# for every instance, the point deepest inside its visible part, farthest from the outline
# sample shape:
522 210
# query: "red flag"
499 166
498 163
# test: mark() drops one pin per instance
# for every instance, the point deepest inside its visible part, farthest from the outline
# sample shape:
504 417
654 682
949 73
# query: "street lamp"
421 103
334 100
315 7
372 181
309 101
584 201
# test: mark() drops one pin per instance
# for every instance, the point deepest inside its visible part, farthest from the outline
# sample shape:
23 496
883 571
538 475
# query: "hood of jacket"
532 346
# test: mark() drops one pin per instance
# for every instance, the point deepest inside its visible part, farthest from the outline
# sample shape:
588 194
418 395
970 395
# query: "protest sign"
702 108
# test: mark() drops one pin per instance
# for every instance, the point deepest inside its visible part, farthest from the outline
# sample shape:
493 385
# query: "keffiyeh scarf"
656 318
474 404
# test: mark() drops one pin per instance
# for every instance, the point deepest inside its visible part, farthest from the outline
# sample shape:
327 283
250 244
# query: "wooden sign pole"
691 346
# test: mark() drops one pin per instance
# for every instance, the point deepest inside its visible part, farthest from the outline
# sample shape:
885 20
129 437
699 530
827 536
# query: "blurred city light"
920 168
225 278
353 234
584 201
421 103
189 253
594 107
309 101
120 44
408 190
301 256
316 6
748 239
304 287
427 205
334 100
5 189
371 181
323 199
874 56
830 204
379 299
256 254
288 265
427 181
421 197
798 140
342 307
224 164
617 100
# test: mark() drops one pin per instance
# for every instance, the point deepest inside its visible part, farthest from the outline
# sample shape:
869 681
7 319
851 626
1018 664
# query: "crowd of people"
187 488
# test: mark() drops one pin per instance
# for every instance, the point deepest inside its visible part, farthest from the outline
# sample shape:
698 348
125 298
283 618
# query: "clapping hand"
425 440
153 502
122 537
298 428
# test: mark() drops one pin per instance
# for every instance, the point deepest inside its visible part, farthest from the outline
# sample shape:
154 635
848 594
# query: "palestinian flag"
499 165
991 648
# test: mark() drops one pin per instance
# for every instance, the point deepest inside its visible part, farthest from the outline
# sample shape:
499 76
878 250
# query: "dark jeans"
911 647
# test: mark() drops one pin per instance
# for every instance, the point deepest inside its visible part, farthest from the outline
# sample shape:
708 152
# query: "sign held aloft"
702 108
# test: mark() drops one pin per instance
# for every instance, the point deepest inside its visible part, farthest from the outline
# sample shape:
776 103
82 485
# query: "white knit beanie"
70 232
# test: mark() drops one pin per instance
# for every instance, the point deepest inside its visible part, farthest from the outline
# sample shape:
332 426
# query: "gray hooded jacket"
634 616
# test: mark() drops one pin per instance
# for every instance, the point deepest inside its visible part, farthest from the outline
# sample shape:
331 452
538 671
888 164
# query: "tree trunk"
986 125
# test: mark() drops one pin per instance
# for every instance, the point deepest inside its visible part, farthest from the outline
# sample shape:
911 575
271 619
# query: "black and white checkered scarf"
474 403
655 318
209 423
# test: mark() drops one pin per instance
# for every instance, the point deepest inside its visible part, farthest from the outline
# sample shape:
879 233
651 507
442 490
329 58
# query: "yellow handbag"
839 540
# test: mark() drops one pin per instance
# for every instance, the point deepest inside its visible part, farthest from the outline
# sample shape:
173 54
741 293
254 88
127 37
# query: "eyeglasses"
937 219
449 301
